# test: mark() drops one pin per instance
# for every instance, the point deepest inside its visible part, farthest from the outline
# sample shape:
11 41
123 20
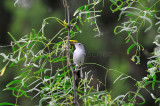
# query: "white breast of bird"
79 54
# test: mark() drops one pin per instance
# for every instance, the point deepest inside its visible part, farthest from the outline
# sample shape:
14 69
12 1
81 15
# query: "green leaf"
134 58
57 44
78 10
13 82
72 32
141 97
113 2
128 50
5 103
37 58
80 20
13 48
19 94
55 59
14 40
46 77
93 22
129 14
34 32
95 29
132 19
46 57
81 91
129 37
41 70
31 44
94 93
115 29
129 97
86 9
154 81
157 100
150 65
58 59
118 7
77 28
147 8
138 60
23 45
24 74
12 64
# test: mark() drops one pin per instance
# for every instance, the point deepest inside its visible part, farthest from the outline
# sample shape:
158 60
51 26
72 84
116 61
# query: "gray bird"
79 56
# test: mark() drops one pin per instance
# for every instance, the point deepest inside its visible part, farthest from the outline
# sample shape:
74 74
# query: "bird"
79 57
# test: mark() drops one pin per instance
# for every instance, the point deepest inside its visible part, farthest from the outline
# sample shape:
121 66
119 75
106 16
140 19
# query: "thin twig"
68 54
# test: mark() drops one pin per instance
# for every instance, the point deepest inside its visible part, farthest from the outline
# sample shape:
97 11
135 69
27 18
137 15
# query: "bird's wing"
83 58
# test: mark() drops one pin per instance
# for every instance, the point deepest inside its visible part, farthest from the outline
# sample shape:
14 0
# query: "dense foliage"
39 71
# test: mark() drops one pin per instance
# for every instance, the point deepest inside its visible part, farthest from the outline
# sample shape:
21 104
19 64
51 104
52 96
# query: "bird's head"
78 45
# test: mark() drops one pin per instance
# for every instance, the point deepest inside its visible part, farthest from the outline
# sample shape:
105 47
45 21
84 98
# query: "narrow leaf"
34 32
128 50
5 103
14 40
41 70
13 82
117 78
154 81
78 10
31 44
2 71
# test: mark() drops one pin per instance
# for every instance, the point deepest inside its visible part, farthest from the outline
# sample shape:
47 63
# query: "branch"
75 102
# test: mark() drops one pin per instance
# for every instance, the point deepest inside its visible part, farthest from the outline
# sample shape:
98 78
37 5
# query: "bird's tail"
79 72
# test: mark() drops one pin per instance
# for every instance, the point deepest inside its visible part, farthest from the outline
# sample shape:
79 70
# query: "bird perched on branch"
78 57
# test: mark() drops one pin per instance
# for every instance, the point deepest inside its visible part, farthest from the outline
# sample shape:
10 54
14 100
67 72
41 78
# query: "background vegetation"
108 50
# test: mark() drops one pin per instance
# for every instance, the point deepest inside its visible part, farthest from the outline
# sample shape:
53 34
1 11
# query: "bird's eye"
79 44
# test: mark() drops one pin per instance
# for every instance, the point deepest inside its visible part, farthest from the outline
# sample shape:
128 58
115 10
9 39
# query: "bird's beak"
74 42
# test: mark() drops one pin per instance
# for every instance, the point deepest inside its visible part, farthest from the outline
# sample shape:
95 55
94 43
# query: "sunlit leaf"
5 103
154 81
78 10
77 28
46 57
128 39
157 100
39 71
24 74
80 20
128 50
13 82
31 44
35 34
129 96
3 70
37 58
